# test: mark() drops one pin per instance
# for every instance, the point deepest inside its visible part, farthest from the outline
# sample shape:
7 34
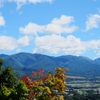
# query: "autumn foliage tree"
38 86
47 86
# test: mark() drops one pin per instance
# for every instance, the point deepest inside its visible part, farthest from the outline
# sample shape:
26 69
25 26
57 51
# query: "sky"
50 27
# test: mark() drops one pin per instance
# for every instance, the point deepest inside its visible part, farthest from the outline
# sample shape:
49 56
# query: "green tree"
20 92
10 87
1 63
8 77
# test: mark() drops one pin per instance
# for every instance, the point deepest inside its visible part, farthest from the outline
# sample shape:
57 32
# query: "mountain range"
77 65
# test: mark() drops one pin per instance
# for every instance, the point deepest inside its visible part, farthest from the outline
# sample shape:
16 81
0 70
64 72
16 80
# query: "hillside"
77 65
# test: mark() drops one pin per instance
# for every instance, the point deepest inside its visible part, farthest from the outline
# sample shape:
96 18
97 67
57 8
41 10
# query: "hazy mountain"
97 61
77 65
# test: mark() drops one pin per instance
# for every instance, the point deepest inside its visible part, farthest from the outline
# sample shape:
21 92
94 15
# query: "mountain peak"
78 65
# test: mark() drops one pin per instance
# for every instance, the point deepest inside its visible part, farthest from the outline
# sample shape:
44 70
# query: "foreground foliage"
38 86
46 86
10 86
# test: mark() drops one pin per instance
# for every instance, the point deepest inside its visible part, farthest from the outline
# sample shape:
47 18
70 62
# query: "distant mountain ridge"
77 65
97 61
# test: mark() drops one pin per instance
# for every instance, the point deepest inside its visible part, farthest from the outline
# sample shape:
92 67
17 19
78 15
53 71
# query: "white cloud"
8 43
53 41
32 28
24 41
93 22
56 44
61 25
98 51
93 44
30 1
2 21
56 26
20 3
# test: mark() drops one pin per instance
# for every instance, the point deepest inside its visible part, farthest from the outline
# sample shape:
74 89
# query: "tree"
1 63
20 92
8 77
10 87
49 87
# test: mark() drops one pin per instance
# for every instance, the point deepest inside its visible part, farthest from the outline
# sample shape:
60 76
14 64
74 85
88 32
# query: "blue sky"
51 27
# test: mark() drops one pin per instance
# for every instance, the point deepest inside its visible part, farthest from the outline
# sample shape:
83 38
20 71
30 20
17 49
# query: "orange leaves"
60 77
61 70
60 73
47 77
29 83
47 90
45 85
